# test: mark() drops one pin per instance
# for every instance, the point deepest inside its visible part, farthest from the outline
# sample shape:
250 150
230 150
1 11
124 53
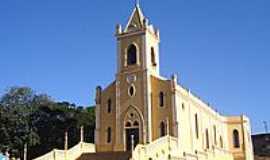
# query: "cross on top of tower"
137 2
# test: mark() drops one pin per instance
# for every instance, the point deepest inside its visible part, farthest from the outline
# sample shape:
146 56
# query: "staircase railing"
162 148
71 154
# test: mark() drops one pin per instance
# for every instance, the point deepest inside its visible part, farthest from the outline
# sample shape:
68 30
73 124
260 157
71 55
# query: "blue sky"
65 48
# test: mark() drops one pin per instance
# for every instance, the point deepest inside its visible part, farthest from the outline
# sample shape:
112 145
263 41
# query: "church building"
144 116
155 117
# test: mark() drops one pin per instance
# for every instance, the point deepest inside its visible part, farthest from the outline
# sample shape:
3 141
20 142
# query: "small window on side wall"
207 139
162 129
109 135
196 126
109 106
215 134
183 106
221 142
161 99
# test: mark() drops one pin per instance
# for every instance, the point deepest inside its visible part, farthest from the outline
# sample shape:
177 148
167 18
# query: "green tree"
16 110
17 96
35 119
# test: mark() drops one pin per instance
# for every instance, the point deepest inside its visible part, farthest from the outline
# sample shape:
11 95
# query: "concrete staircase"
106 156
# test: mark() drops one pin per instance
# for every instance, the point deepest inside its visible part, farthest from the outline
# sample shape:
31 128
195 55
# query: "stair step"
106 156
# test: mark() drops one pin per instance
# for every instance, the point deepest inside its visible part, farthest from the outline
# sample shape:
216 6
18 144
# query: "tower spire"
136 19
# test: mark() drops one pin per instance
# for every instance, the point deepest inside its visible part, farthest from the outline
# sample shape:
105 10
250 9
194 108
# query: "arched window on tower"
109 135
162 129
236 141
132 55
153 57
161 99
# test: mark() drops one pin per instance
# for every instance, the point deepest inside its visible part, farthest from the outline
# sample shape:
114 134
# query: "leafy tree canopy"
38 121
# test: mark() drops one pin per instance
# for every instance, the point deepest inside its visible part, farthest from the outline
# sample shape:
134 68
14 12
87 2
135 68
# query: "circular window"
131 91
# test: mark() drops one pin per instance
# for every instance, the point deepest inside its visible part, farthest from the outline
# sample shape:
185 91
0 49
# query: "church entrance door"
132 132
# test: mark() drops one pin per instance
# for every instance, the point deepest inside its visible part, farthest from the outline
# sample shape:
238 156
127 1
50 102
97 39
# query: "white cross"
137 2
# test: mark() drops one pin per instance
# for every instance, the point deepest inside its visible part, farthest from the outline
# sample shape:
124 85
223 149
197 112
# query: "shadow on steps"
106 156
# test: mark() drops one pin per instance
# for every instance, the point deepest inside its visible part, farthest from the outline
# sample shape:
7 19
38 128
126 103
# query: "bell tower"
138 44
137 61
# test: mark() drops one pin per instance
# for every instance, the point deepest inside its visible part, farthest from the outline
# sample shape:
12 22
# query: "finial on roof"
137 2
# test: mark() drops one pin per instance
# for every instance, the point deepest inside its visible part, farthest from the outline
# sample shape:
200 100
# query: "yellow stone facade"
149 111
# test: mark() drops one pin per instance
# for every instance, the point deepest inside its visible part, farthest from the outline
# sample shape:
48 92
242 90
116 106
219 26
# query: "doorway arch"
133 126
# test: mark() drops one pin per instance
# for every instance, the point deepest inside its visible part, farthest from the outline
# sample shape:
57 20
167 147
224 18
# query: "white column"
66 145
82 133
25 152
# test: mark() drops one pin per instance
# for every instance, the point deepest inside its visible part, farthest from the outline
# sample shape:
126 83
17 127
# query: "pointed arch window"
161 99
132 55
215 134
236 141
109 105
221 142
128 124
136 123
162 129
207 139
153 57
109 135
196 126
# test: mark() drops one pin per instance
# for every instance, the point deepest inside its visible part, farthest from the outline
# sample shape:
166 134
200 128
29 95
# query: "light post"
265 126
132 145
66 144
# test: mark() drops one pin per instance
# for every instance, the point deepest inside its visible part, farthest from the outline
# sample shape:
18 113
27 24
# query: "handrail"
160 147
71 154
167 148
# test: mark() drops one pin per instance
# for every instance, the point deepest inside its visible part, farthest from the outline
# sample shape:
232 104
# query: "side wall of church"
203 127
212 132
107 119
161 113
